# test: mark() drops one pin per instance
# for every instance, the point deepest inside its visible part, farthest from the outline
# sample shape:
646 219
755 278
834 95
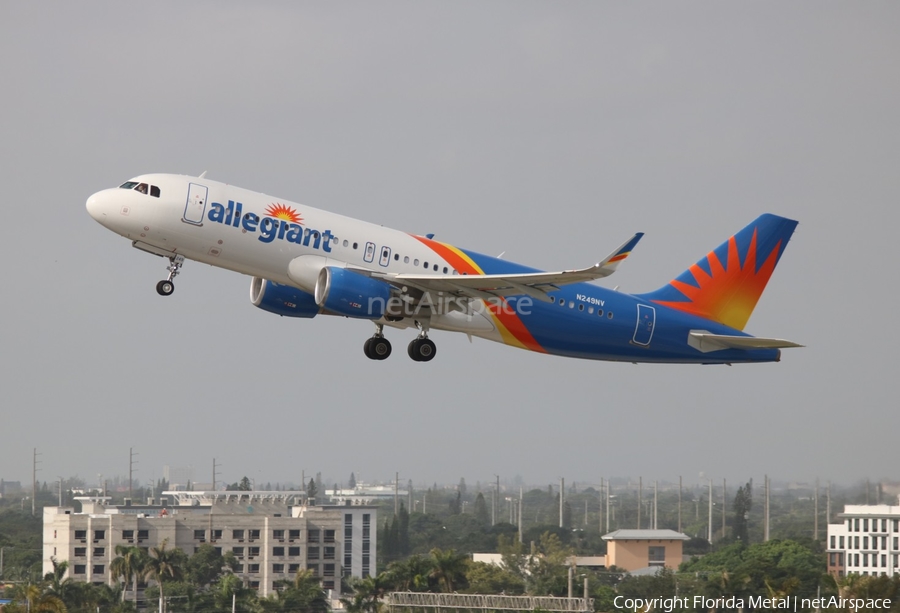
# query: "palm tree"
410 575
64 589
449 568
367 594
164 563
130 566
32 598
304 593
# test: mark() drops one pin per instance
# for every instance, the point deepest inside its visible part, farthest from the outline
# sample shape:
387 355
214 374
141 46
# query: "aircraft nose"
98 206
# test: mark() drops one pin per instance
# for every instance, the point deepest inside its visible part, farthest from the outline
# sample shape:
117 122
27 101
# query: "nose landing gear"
166 286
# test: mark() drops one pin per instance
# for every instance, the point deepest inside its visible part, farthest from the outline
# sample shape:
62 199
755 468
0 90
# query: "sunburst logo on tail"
725 293
281 211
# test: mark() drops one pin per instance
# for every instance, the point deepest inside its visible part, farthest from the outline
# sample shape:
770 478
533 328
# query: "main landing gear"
377 347
166 286
421 349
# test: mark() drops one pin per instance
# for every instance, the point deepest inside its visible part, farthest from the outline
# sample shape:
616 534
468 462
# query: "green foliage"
481 510
492 579
743 501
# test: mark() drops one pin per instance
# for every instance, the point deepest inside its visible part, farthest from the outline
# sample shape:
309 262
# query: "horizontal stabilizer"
705 342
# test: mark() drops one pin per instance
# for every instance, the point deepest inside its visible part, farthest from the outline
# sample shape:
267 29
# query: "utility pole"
640 500
828 504
131 463
724 505
396 493
709 528
608 487
655 500
520 515
766 525
562 497
600 522
34 470
679 503
816 508
60 491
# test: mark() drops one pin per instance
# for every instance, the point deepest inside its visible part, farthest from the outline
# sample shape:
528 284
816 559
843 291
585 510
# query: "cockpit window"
128 185
154 191
142 187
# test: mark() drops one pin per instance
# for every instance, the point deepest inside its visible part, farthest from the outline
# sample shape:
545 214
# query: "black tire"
367 349
413 350
380 348
427 350
422 350
165 288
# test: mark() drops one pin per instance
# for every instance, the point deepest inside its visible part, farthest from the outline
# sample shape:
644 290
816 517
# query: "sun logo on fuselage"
281 211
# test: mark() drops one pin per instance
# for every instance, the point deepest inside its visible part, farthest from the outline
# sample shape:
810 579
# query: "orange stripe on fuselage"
507 321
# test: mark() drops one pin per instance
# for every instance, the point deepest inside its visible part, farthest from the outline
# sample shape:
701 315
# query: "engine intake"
351 294
282 299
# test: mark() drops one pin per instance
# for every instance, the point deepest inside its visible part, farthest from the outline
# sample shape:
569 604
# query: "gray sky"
550 131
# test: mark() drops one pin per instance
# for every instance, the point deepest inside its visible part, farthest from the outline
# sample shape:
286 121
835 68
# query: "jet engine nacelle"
282 299
349 293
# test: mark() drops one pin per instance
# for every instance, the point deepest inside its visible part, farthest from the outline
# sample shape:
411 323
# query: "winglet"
613 259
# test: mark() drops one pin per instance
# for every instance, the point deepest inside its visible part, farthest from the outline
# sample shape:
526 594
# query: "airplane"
305 262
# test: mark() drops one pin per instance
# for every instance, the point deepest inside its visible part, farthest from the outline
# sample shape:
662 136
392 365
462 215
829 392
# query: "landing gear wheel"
377 348
380 348
422 350
165 288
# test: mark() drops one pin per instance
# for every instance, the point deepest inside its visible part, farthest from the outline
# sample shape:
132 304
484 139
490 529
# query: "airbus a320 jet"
306 262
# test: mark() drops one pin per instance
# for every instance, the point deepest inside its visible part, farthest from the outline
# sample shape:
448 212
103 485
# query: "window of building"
216 534
237 534
314 568
833 541
313 536
348 532
293 534
841 541
865 542
254 585
831 559
277 551
365 547
293 568
99 551
657 556
97 569
253 568
865 524
80 552
254 534
856 524
293 551
348 561
79 569
328 585
856 542
143 534
865 558
884 525
253 551
199 535
278 534
312 553
81 534
238 552
278 569
896 543
99 535
329 553
329 536
127 534
883 561
328 571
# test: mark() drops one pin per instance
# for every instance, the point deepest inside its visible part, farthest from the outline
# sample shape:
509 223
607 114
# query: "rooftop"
645 535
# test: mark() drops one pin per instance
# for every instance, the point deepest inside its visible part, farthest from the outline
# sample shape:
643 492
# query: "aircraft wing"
705 341
535 284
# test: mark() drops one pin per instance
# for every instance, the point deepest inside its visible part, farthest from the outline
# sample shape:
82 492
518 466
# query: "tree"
410 575
304 593
164 563
448 568
462 486
130 566
455 504
481 510
352 483
367 594
743 500
312 490
244 485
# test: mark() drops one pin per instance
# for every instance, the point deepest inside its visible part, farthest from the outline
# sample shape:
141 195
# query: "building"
272 534
866 542
636 549
628 550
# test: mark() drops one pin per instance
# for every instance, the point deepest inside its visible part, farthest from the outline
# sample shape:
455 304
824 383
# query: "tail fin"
725 285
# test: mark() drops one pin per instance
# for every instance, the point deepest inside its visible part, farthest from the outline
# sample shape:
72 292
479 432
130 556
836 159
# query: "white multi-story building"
867 542
272 534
